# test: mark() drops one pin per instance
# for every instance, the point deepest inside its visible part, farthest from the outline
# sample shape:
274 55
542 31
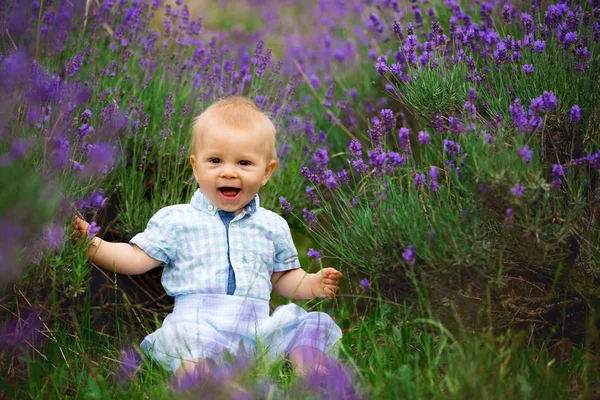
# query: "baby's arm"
120 257
299 285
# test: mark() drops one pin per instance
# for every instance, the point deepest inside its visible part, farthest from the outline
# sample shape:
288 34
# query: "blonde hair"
237 112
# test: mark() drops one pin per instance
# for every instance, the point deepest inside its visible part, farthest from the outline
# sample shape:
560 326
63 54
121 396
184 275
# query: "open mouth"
229 192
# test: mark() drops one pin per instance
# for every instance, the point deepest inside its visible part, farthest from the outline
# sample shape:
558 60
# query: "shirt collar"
200 202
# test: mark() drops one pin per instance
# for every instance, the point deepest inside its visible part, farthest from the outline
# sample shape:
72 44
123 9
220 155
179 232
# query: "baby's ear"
271 165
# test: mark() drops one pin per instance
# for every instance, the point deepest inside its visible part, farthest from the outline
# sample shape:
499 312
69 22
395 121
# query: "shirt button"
210 208
233 224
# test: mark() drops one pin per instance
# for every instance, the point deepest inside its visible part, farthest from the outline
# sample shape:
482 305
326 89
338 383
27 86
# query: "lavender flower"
314 253
420 180
452 148
518 190
438 123
14 333
312 196
558 171
387 119
130 362
381 65
310 218
527 69
365 284
539 46
409 254
329 95
285 204
423 137
508 217
549 100
404 139
330 180
342 176
53 236
434 172
321 157
575 114
525 153
93 229
337 383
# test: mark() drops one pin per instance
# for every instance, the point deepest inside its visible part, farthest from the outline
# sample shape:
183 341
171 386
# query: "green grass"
391 350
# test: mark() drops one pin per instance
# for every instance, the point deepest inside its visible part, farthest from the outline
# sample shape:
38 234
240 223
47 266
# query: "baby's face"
230 165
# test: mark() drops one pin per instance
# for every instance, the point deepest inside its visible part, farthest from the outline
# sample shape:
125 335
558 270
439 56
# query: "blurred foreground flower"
365 284
19 329
130 362
336 383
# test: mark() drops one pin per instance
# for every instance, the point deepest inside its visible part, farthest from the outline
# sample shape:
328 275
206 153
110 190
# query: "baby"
224 254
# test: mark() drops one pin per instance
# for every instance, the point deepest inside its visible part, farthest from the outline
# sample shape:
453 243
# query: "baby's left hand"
326 283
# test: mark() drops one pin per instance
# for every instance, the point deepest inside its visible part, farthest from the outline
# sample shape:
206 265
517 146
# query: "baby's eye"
244 162
214 160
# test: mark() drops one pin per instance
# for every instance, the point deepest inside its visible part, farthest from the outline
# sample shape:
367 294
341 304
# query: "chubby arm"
120 257
300 285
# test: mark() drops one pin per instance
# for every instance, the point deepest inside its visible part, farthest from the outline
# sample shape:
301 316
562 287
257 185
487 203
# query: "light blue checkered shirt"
192 242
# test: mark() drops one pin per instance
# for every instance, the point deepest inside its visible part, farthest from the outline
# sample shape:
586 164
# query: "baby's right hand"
81 227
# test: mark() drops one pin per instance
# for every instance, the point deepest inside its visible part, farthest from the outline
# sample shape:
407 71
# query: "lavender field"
444 155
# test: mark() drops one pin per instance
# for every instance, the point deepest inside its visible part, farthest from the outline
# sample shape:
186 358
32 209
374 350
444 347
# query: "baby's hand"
326 283
82 228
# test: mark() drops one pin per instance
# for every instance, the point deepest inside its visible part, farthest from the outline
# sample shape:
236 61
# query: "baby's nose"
229 172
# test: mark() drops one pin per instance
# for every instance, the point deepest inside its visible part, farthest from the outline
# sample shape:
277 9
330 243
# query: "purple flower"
360 166
558 171
452 148
130 362
101 156
321 157
395 159
539 46
309 175
423 137
420 180
438 123
285 204
93 229
387 119
309 217
330 179
575 114
312 196
525 153
13 333
314 253
343 177
569 39
470 109
404 139
53 236
377 157
549 101
527 69
365 284
434 172
508 217
337 383
518 190
329 95
381 67
355 148
409 254
472 95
